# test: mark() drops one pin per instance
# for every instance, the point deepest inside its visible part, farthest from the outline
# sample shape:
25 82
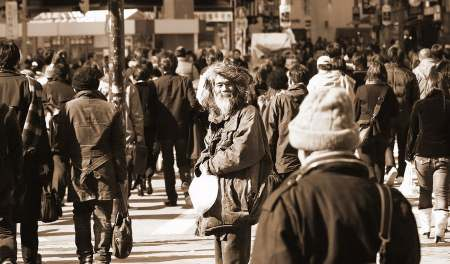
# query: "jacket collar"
90 94
334 161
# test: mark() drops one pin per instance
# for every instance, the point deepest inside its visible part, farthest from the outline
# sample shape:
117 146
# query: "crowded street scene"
225 131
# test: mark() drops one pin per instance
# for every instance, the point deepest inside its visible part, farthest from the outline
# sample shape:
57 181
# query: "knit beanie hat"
324 122
86 78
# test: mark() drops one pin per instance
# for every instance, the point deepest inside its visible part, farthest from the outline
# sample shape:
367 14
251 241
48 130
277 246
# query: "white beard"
224 104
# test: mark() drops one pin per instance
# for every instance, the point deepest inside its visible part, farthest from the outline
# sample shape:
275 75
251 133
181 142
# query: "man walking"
90 133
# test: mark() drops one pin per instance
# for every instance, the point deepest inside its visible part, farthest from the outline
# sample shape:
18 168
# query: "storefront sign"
214 16
12 21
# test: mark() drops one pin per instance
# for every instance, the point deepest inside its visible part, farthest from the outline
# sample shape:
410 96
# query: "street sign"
285 16
12 21
386 17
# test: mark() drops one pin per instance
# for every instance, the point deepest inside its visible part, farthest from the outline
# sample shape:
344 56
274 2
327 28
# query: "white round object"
203 192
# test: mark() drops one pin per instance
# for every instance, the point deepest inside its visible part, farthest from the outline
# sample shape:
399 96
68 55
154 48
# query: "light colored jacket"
332 79
422 72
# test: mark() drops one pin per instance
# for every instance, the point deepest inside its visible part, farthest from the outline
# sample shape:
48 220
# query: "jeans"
168 162
433 177
82 213
233 248
8 244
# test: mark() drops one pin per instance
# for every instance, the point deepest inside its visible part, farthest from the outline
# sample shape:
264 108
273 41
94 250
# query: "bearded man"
237 153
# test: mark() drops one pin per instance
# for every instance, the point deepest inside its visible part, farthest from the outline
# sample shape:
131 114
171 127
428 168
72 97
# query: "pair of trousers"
8 244
61 171
183 164
29 240
433 177
233 248
400 132
101 211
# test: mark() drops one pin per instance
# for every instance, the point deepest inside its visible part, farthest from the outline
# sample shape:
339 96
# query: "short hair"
376 72
277 79
141 73
299 73
9 55
437 51
262 73
217 55
279 61
359 59
180 52
333 50
61 71
395 55
86 78
168 62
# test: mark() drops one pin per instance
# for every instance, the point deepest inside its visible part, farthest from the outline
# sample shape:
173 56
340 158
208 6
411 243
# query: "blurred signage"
386 15
12 21
285 15
214 16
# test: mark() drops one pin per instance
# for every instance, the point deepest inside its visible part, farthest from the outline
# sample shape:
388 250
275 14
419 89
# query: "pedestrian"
237 153
359 60
176 107
329 210
237 59
11 166
281 110
406 89
56 92
90 133
276 81
24 95
428 148
141 79
185 67
375 94
422 70
442 66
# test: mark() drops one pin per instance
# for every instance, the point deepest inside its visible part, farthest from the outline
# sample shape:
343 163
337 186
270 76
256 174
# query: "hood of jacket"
424 66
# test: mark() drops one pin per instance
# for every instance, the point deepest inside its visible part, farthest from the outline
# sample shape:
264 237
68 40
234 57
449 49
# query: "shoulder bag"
366 126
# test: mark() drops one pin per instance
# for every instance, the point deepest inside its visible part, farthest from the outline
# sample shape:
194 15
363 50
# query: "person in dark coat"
329 211
281 110
90 133
428 147
11 163
406 89
367 96
176 108
24 95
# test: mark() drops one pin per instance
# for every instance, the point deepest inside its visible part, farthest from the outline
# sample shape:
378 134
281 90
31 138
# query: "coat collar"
90 94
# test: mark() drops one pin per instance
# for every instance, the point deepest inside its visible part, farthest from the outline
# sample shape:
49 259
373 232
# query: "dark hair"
325 67
333 50
277 80
86 78
61 71
262 72
9 55
141 73
338 63
279 61
48 56
216 55
395 55
180 52
376 72
168 62
437 51
299 73
359 59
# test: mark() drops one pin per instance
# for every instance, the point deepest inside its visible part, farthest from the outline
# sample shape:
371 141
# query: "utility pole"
117 53
24 47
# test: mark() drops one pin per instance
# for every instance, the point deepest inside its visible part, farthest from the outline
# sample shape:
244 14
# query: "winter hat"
86 78
323 60
324 122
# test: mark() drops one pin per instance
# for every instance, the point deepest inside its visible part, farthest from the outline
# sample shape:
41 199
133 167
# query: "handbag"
366 126
122 234
50 207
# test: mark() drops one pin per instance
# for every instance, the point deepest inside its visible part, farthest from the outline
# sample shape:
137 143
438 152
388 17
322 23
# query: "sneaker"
391 175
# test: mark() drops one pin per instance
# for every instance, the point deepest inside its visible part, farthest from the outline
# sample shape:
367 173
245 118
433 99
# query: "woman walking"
428 147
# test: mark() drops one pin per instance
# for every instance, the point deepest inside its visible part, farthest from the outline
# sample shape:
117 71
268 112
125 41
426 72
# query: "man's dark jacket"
332 215
57 92
281 110
176 106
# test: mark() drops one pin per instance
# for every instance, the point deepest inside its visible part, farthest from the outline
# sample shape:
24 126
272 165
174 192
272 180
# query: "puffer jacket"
332 79
422 71
237 152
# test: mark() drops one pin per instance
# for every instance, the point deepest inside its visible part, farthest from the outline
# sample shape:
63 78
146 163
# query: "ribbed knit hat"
324 122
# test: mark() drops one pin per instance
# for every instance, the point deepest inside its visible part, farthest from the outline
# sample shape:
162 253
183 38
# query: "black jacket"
429 131
332 215
283 107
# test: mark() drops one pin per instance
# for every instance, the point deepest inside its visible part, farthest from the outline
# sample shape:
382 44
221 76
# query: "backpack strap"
385 222
376 109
